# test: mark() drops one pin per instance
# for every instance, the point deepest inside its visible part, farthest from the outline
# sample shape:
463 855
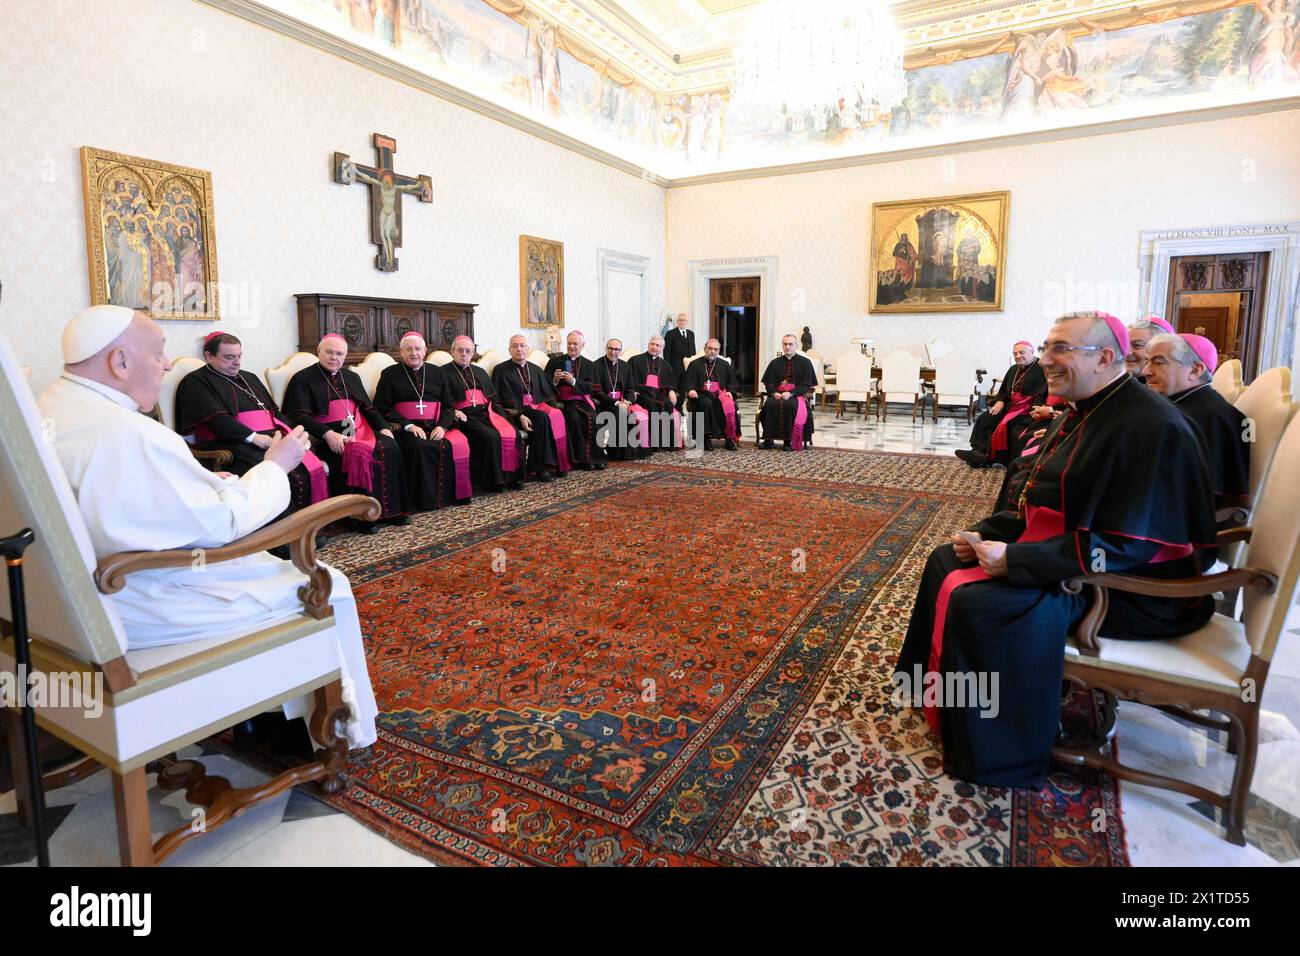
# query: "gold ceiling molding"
1075 25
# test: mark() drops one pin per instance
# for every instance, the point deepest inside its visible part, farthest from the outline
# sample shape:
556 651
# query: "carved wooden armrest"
218 457
1203 586
298 531
1229 535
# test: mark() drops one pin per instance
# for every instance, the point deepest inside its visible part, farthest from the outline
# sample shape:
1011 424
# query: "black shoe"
516 484
972 457
767 443
541 476
462 501
362 527
786 446
600 466
708 444
400 520
730 444
280 551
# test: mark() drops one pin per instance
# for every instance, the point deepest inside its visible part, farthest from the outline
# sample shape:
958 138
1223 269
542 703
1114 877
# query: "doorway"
1222 298
733 321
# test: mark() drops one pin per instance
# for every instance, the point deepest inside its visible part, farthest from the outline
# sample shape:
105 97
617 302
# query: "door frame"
700 271
607 261
1281 240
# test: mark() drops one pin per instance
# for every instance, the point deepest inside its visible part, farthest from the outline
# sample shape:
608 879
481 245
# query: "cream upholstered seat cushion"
439 357
538 358
1215 656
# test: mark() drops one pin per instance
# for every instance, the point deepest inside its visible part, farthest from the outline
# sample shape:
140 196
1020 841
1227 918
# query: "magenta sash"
800 418
567 393
1040 524
1020 404
558 431
642 417
263 421
358 454
728 408
509 439
413 412
652 381
459 443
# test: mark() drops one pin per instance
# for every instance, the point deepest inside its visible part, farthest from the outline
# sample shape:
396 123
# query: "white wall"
180 82
1077 207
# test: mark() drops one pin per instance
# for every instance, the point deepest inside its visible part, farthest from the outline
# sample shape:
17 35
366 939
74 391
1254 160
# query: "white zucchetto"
92 330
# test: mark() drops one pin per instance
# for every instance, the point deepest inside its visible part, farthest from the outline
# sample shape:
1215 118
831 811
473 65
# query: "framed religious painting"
150 235
939 255
541 283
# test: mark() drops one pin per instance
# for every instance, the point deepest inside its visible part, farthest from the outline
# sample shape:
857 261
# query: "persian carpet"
682 662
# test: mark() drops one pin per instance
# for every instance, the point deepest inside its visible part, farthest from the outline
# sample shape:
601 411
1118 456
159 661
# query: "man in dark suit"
679 345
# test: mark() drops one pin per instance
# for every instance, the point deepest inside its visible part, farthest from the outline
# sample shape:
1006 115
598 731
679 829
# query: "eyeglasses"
1061 348
611 348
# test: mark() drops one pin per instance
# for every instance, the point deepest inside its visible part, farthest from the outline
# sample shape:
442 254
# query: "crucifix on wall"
386 188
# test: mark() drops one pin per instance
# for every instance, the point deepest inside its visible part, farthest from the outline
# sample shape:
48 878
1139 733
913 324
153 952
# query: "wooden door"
1238 277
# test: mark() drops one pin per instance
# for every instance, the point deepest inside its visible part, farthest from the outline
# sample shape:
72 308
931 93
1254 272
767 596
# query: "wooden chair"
165 411
853 377
900 374
954 382
1220 669
370 368
1227 380
156 700
277 379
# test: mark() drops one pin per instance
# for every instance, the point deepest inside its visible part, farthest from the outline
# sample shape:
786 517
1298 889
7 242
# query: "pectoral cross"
419 406
386 188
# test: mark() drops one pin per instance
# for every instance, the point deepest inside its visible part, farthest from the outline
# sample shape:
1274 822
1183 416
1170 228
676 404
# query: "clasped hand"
991 555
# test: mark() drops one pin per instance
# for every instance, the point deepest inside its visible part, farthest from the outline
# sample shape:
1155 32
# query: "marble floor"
1163 828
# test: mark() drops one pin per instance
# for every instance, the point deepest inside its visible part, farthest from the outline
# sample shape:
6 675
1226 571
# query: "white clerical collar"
112 394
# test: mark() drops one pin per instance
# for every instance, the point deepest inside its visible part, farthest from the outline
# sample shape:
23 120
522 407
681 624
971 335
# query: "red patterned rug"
683 663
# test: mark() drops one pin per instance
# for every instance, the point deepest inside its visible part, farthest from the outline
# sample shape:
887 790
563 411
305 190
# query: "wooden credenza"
377 325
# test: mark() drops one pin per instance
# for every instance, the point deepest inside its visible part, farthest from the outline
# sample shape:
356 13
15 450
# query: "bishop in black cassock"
1119 485
1181 367
574 377
788 418
655 384
524 392
999 434
496 454
348 434
711 389
621 421
228 409
410 396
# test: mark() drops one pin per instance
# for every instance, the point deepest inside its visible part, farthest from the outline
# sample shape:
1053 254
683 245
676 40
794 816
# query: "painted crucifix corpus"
386 188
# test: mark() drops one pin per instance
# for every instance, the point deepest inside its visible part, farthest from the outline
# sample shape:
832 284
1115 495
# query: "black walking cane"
13 549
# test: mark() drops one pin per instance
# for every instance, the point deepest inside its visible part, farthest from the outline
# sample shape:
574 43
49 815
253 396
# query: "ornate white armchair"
370 368
155 700
277 379
1227 380
1205 672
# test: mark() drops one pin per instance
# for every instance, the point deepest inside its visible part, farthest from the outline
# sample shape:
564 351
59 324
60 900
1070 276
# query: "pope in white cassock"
139 489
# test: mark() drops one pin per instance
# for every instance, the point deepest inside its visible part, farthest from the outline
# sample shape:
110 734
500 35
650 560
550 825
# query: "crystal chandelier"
815 56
